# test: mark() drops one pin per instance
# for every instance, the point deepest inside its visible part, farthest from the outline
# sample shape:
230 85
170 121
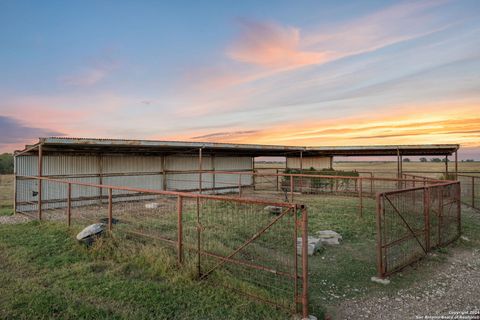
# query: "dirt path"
455 287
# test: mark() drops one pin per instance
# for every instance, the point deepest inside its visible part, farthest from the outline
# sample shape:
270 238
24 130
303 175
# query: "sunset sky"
271 72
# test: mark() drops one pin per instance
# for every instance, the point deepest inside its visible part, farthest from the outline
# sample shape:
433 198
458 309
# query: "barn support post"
456 164
164 172
100 178
40 172
15 184
69 204
213 176
398 164
253 171
200 169
110 209
446 168
301 171
331 163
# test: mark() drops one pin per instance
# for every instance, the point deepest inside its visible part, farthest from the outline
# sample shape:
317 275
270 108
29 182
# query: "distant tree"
423 159
6 163
445 159
436 160
469 160
406 160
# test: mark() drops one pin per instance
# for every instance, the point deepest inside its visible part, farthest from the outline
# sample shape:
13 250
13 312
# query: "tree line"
6 163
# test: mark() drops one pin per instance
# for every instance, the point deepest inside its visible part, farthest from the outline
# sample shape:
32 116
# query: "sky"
312 73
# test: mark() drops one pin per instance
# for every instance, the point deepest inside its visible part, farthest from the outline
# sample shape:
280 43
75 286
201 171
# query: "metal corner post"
379 235
305 262
179 230
40 173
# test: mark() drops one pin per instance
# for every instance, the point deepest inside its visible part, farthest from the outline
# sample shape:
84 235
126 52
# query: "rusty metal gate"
249 246
410 222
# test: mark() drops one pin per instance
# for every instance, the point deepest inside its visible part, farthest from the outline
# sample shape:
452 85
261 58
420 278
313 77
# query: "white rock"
152 205
91 230
465 238
314 245
329 237
380 280
273 209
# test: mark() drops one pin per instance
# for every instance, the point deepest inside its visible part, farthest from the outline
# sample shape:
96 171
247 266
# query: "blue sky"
274 72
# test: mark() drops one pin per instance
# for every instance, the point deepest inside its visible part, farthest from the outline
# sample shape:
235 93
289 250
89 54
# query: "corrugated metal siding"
54 165
309 162
128 164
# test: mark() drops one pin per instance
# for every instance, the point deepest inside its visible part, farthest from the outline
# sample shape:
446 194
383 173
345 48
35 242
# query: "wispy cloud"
96 70
225 135
271 45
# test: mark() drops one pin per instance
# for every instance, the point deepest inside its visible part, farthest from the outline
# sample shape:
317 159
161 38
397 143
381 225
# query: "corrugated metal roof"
93 145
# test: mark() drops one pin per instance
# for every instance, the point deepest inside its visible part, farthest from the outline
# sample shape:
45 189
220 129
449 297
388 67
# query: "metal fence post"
110 209
305 263
69 204
426 216
379 235
179 230
295 259
440 215
360 195
199 231
40 173
277 178
459 208
473 192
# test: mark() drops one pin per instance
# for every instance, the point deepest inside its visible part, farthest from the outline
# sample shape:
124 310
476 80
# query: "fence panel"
410 222
248 245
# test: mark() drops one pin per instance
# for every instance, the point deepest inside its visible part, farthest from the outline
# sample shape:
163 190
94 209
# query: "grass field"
6 195
46 274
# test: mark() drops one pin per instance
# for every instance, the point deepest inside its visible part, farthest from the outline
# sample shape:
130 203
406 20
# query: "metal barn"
167 165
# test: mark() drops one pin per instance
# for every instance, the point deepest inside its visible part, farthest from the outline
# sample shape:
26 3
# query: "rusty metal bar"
171 193
110 209
406 223
459 209
305 263
440 216
213 175
295 261
200 167
277 179
179 230
246 243
379 208
40 172
69 204
199 238
253 172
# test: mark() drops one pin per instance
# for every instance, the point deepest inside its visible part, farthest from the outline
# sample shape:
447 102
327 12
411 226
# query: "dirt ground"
453 288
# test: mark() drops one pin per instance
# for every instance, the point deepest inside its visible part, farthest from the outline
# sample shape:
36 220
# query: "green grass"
46 274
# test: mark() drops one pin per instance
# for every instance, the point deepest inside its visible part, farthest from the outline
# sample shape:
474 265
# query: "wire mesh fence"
251 246
470 190
410 222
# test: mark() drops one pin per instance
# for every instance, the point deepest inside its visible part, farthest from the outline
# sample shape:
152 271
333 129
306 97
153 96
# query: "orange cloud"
453 122
272 46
